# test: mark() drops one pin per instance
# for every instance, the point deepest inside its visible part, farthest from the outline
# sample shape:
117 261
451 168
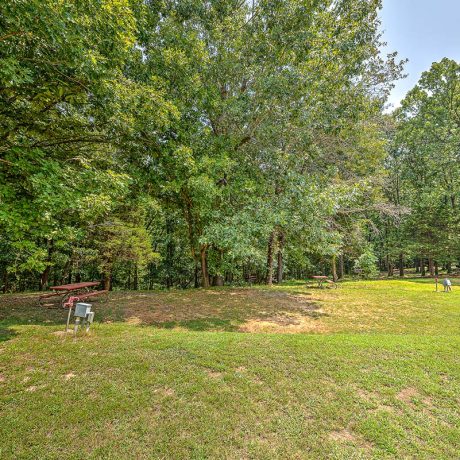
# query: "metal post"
68 319
77 323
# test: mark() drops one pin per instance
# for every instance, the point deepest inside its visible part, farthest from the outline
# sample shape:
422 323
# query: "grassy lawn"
369 370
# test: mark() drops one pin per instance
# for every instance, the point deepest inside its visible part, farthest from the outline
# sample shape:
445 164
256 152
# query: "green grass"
370 370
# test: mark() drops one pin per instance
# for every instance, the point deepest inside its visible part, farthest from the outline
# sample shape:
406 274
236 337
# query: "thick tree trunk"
401 265
270 250
436 269
44 278
204 266
449 267
334 268
107 280
417 265
431 266
280 267
422 266
341 267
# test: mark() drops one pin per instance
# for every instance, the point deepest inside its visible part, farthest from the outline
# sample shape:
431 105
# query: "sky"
424 31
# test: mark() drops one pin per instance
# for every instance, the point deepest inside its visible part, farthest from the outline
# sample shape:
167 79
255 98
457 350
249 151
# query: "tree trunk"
279 272
390 269
107 280
431 266
334 269
136 278
401 265
46 273
217 280
169 253
341 267
5 281
44 278
204 266
449 267
151 271
417 265
436 268
422 266
270 250
196 283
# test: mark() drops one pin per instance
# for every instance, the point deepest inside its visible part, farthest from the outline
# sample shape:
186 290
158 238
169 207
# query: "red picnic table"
71 293
66 291
320 279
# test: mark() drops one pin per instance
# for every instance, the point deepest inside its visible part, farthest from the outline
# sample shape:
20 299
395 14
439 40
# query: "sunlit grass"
373 372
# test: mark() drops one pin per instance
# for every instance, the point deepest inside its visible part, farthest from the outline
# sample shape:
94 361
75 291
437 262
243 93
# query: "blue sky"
424 31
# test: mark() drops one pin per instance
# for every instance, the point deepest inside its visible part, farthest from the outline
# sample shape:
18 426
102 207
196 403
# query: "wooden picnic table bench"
71 293
65 291
324 279
320 279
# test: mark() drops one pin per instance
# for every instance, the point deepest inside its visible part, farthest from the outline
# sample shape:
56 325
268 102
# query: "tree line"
184 143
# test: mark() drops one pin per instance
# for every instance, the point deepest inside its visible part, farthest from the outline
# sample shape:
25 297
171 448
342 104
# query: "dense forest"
181 143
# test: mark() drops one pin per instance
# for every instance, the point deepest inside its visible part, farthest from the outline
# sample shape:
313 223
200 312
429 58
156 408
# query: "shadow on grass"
24 310
224 309
6 334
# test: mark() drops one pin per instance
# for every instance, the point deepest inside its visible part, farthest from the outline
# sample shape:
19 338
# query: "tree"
69 118
427 143
258 101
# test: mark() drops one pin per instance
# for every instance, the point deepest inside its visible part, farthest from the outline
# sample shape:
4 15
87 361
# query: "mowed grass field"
369 370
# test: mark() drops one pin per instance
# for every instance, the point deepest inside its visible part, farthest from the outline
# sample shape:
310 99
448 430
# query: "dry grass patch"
407 395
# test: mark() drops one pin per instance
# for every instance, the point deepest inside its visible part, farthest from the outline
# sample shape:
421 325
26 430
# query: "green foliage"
254 127
424 172
366 263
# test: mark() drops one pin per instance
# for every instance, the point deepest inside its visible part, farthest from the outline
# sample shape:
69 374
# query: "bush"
366 264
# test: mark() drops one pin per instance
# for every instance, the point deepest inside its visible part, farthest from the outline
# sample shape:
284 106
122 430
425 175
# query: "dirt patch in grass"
288 324
214 374
165 391
342 436
407 394
346 436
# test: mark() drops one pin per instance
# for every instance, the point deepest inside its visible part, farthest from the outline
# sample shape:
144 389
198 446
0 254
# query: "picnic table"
65 291
71 293
321 280
325 279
